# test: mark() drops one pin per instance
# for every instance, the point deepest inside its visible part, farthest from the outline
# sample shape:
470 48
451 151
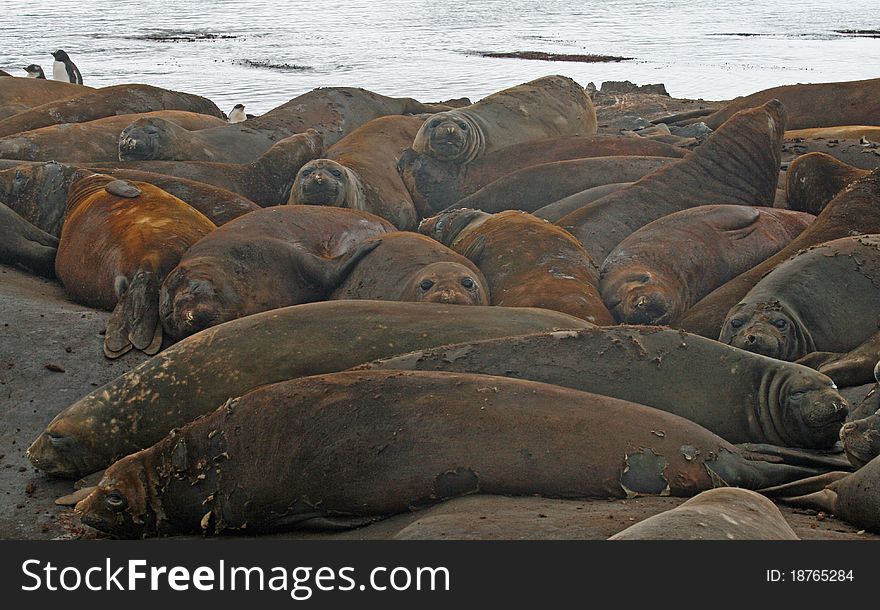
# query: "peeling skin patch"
644 474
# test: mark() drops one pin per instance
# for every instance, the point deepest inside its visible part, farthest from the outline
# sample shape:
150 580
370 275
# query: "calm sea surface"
264 53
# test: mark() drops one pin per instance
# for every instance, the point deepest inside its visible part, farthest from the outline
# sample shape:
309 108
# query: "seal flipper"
135 320
330 272
804 487
834 458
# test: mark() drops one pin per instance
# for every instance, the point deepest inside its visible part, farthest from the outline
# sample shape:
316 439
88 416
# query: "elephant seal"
184 381
435 185
738 163
104 102
21 94
727 513
797 308
814 105
333 111
861 439
539 185
527 261
266 181
839 132
852 152
543 108
360 172
397 444
119 240
271 258
657 273
814 179
38 192
740 396
21 243
852 368
853 211
411 267
853 497
90 141
556 210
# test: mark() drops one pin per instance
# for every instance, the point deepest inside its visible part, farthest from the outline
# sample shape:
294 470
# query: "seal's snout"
61 456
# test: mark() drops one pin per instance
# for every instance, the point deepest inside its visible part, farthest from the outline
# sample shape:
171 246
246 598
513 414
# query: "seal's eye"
336 173
306 171
426 285
115 500
434 123
780 323
736 323
797 394
463 126
467 283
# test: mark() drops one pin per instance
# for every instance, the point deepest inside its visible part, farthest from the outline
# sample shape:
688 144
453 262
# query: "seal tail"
329 273
135 320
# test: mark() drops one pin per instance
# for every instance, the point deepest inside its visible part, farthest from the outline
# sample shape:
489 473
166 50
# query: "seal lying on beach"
814 179
853 211
22 94
411 267
360 172
823 299
546 107
275 257
435 185
717 514
398 445
334 111
198 374
119 241
657 273
90 141
737 164
104 102
21 243
527 262
740 396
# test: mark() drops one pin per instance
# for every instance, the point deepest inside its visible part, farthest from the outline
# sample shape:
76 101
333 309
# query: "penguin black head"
238 106
60 55
34 71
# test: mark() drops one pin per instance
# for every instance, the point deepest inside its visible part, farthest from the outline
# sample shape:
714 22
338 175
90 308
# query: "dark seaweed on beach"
271 66
541 56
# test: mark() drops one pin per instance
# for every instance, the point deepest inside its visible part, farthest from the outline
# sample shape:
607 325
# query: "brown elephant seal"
271 258
853 211
435 185
184 381
797 308
727 513
813 105
861 439
266 181
21 243
853 497
738 164
657 273
539 185
839 132
104 102
119 241
547 107
21 94
740 396
38 192
411 267
360 172
814 179
397 444
858 152
90 141
852 368
333 111
527 261
556 210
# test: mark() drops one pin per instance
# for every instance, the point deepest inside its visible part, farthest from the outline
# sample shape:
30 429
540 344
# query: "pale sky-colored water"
420 48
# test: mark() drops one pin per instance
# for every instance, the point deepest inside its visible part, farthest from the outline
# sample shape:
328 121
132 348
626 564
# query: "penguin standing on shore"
65 70
34 71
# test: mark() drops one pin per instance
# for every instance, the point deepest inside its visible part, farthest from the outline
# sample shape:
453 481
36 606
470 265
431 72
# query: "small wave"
182 36
542 56
268 65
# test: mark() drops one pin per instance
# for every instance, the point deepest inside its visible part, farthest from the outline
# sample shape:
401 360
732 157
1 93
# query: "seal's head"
445 227
40 190
59 451
861 440
191 301
449 283
322 182
146 139
120 503
636 295
769 329
811 411
450 137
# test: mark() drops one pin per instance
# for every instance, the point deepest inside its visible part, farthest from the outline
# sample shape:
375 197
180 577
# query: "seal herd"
358 306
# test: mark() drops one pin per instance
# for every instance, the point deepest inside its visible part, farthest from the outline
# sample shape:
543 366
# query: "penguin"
237 115
65 70
34 71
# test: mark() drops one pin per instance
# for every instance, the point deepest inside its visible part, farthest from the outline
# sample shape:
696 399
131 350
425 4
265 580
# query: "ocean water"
262 54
